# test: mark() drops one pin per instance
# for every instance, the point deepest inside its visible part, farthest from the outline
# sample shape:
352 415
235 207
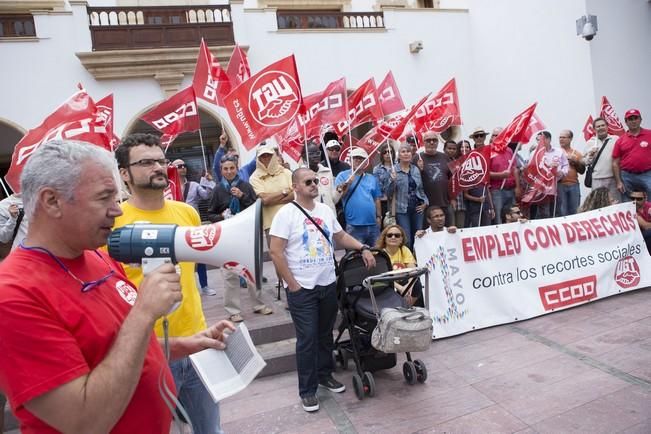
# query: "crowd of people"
88 340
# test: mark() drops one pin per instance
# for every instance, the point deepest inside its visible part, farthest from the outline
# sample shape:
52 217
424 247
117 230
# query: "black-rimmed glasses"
150 162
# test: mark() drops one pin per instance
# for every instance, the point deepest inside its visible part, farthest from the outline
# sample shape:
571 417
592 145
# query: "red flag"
535 125
327 107
608 113
265 103
210 81
75 119
470 170
363 106
540 178
175 115
588 129
291 141
173 190
389 129
238 70
104 116
440 112
389 95
515 131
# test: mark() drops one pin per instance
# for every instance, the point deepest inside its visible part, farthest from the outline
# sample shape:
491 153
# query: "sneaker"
208 291
332 385
310 403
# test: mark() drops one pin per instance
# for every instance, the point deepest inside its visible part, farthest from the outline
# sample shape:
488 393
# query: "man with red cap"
632 156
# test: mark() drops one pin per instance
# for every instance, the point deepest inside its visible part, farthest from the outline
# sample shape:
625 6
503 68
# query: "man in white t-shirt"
303 257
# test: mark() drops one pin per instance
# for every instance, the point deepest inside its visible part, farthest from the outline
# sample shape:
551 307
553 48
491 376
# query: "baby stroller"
362 294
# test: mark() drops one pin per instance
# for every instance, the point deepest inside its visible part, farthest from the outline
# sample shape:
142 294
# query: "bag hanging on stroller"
401 330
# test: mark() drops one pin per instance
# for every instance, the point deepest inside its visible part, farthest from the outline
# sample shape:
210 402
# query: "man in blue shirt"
360 200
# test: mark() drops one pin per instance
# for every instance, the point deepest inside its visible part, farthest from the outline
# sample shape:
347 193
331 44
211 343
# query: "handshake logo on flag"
274 98
472 170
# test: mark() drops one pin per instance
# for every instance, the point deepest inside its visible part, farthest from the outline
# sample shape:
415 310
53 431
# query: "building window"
13 26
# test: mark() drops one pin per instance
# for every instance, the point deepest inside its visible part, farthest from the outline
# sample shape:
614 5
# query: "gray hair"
58 164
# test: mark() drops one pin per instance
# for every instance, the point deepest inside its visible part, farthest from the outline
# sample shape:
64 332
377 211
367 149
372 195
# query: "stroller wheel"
409 372
369 384
421 371
358 386
343 358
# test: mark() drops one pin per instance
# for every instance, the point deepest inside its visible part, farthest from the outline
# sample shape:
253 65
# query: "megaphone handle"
150 264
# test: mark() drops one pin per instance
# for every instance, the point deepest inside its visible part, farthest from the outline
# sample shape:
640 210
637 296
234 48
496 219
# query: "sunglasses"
430 140
394 235
309 182
479 135
180 166
385 152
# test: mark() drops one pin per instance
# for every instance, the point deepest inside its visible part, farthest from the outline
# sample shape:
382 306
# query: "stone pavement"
586 370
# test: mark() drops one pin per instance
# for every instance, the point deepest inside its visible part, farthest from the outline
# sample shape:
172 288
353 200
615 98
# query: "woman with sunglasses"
392 241
383 174
411 200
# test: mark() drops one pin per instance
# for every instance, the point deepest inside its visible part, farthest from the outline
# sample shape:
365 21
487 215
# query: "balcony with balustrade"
124 28
328 19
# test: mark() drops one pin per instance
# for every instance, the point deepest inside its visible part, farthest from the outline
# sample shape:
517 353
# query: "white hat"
265 149
358 152
332 144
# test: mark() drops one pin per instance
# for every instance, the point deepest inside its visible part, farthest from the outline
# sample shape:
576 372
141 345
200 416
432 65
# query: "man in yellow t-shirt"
143 168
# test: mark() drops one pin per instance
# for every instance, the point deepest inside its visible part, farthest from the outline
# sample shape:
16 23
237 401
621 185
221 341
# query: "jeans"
202 271
569 199
411 221
364 234
195 398
314 312
636 181
502 198
472 215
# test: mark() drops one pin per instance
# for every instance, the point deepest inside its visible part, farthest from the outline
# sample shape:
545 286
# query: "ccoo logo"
627 272
472 170
274 98
203 237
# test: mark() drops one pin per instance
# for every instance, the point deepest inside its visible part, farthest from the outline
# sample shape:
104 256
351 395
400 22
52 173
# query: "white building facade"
504 54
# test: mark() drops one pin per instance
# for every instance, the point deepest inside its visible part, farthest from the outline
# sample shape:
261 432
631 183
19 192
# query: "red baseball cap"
632 112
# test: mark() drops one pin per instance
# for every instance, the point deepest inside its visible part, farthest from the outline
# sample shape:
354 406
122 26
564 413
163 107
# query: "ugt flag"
265 103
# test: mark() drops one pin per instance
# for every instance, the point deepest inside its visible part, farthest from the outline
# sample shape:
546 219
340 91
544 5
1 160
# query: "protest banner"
482 277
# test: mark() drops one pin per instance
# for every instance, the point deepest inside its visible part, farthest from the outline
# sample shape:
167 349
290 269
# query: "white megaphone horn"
234 244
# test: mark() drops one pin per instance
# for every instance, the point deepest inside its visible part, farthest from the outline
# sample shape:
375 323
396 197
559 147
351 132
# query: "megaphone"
234 244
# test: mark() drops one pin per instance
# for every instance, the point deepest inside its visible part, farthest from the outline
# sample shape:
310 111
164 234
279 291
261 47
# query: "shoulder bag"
588 173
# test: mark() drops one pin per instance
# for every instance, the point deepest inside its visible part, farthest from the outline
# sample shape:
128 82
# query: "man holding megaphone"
78 352
142 167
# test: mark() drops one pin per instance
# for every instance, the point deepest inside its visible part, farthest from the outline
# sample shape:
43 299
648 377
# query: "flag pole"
203 152
307 162
4 187
413 133
517 149
481 207
555 199
325 152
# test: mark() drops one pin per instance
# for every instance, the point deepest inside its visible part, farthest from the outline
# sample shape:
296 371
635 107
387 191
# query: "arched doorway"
10 135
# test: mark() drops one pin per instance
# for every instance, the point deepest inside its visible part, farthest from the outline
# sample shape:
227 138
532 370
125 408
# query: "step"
278 329
280 357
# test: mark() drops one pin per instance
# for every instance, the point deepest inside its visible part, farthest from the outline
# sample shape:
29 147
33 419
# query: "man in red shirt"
643 208
79 353
632 156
